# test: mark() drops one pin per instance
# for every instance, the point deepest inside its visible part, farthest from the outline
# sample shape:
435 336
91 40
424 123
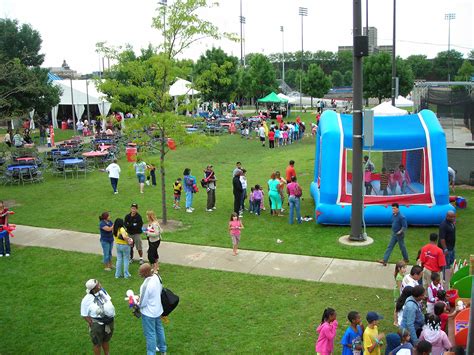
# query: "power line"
427 43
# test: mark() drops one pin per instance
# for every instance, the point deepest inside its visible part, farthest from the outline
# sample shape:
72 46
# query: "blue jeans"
4 238
114 183
294 205
189 199
244 196
123 258
400 239
154 334
107 250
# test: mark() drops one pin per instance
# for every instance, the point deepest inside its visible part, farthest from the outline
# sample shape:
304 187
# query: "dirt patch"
465 187
172 226
10 203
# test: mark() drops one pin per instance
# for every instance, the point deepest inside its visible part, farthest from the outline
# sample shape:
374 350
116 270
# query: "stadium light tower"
449 17
303 12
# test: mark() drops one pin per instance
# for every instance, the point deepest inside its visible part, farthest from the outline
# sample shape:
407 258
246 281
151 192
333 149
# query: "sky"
70 29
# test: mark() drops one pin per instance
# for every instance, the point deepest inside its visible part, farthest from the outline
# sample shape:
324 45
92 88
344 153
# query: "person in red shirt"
290 171
432 259
271 138
4 237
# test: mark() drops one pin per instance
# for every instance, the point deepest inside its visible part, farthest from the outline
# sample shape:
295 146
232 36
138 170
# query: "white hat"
90 285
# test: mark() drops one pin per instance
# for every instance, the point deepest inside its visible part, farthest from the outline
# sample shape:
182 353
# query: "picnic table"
97 155
21 166
25 159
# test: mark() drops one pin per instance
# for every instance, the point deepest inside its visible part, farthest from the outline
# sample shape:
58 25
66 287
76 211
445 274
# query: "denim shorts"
450 258
141 178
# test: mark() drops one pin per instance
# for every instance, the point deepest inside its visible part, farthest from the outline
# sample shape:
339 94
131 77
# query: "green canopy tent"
273 98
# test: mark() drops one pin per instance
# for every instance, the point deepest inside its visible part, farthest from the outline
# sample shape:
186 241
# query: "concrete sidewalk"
309 268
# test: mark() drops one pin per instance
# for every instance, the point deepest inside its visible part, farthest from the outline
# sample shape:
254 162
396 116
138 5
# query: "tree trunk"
162 173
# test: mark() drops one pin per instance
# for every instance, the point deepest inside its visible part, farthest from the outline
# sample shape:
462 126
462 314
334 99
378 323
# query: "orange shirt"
290 171
432 257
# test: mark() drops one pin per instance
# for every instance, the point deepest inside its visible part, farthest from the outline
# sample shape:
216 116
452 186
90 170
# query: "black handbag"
169 300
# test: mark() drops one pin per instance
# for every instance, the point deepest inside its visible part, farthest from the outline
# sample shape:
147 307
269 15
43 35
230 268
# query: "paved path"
310 268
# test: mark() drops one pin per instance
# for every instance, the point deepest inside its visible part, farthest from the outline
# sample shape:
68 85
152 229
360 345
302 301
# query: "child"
441 311
432 332
177 190
251 204
352 339
235 226
398 314
384 182
433 290
151 173
262 203
257 196
392 181
405 337
372 339
400 271
368 180
327 332
4 236
285 136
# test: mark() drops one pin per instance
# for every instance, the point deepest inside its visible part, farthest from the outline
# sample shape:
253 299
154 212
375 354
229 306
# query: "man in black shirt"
133 224
237 189
447 242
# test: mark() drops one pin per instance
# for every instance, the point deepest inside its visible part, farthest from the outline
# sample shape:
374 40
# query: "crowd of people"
421 307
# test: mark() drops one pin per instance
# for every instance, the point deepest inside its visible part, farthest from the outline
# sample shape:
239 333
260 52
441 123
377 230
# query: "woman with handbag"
294 192
123 242
153 233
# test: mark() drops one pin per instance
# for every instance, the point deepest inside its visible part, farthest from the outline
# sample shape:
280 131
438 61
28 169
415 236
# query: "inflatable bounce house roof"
407 164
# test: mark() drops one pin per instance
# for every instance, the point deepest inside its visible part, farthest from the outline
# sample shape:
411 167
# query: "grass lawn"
76 203
219 312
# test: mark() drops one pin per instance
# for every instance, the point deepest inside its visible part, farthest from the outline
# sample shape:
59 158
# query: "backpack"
298 191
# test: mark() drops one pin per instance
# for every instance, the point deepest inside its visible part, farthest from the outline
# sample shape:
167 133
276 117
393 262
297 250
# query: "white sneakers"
189 210
209 210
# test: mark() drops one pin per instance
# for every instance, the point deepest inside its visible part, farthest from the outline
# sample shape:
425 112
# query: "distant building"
373 45
372 38
64 71
388 49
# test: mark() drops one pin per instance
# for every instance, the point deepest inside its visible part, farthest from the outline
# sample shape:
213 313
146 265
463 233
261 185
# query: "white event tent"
291 100
386 109
400 101
182 87
83 92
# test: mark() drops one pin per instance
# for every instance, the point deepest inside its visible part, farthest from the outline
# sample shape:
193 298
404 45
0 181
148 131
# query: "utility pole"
394 58
361 49
449 17
303 11
283 53
242 22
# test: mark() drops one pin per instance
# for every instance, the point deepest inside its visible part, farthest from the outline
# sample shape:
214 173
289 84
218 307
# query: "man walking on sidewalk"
399 226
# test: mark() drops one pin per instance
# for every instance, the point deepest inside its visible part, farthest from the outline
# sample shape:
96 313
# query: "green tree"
21 42
378 76
23 84
465 72
420 65
316 83
348 78
184 26
447 63
216 75
337 78
263 76
344 61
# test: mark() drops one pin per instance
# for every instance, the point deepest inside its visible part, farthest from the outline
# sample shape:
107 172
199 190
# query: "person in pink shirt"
392 182
403 179
327 332
235 226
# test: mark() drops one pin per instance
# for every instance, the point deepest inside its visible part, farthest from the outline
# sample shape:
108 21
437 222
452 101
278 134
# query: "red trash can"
64 125
131 153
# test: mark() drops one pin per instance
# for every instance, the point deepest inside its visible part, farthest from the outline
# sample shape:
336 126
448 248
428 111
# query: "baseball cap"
134 205
371 316
90 285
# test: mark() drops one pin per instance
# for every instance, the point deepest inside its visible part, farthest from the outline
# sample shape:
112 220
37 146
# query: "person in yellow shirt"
123 242
372 339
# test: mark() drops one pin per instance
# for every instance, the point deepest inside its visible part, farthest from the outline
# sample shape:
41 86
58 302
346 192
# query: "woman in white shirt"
153 233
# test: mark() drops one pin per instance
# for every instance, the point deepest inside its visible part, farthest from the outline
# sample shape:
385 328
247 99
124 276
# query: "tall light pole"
164 3
360 45
282 53
242 22
449 17
303 11
394 57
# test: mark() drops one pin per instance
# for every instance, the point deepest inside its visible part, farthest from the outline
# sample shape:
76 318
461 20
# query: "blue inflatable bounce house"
407 164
